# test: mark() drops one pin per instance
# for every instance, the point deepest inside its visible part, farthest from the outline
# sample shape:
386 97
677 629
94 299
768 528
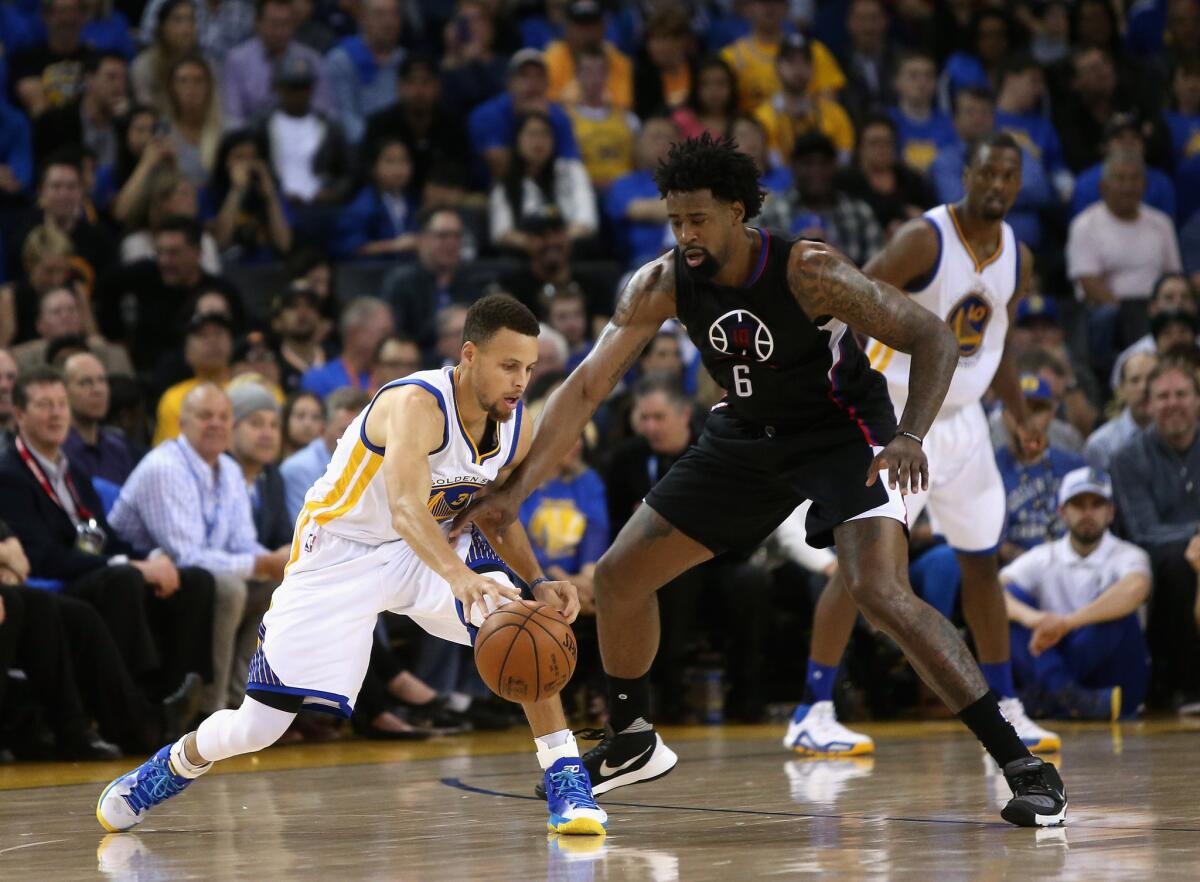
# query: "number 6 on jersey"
741 381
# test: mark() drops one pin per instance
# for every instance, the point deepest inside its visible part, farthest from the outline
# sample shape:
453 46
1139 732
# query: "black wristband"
538 581
920 441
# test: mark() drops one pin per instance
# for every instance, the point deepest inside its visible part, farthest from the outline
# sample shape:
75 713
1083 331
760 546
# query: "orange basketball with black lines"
525 651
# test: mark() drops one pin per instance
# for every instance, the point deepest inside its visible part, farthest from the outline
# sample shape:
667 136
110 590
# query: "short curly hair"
706 164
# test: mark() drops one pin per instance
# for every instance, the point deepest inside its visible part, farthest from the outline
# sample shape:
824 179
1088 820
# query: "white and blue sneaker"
815 731
569 798
125 802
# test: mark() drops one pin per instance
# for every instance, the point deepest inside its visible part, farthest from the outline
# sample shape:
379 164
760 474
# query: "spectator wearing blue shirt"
362 69
16 153
382 221
567 522
301 470
492 126
923 129
1032 475
636 211
1123 133
974 117
364 323
1019 112
991 38
1184 121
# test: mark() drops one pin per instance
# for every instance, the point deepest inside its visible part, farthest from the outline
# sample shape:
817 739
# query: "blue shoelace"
159 784
573 785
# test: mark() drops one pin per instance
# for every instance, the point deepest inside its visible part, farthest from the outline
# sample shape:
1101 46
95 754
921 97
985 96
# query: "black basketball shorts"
740 480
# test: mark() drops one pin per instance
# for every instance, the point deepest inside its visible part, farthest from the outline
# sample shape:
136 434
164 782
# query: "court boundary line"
459 784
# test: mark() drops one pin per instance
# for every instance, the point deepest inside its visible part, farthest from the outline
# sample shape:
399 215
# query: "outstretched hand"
493 512
905 463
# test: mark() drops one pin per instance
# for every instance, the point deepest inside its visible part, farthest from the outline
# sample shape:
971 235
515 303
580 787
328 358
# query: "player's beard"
708 268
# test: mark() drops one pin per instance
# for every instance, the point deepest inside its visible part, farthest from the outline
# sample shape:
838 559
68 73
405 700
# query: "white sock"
183 766
555 746
458 701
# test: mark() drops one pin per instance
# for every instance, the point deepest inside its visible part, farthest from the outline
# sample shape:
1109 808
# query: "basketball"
525 651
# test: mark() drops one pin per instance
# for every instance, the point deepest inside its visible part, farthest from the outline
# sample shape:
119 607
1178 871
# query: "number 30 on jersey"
741 381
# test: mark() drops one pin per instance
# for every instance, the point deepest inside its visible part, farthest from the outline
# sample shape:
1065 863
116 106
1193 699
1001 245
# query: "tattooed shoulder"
653 281
826 283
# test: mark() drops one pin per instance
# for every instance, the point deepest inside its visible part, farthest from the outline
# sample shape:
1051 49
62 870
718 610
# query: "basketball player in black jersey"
805 417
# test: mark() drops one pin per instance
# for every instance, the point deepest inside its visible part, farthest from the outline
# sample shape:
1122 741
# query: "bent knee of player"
879 597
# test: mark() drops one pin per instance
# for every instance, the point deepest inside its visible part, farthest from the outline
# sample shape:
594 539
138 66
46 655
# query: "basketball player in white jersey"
963 263
373 536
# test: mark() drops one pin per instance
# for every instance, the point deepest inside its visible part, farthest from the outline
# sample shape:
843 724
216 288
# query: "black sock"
629 703
994 732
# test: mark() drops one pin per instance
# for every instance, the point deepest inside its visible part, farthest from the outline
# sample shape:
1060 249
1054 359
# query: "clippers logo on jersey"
447 500
969 320
739 333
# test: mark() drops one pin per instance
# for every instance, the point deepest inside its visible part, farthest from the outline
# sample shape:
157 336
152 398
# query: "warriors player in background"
805 417
963 264
372 536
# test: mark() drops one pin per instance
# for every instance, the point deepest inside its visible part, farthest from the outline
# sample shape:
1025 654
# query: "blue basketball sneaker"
569 798
125 802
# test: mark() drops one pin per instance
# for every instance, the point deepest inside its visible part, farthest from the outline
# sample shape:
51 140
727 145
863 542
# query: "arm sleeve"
342 81
486 129
294 488
578 197
500 216
231 96
178 528
1171 260
1026 572
1082 259
351 226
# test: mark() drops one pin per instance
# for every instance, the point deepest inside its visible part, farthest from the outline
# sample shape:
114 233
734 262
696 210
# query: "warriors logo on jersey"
447 500
739 333
969 320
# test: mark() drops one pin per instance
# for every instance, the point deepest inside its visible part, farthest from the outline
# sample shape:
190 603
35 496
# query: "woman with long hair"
712 105
167 193
303 422
175 36
139 152
194 116
243 202
877 176
538 178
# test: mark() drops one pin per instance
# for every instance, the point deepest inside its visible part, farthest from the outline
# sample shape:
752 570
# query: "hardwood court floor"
737 808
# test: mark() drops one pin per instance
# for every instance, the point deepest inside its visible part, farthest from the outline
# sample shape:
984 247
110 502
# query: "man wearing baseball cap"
493 124
208 350
584 31
1075 605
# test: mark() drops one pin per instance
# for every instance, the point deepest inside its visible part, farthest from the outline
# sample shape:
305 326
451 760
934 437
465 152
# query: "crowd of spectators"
225 223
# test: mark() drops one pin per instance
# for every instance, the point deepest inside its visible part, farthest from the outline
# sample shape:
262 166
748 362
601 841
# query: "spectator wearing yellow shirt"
603 131
753 57
794 110
208 351
584 29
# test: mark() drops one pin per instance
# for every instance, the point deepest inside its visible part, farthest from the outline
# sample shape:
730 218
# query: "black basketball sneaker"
625 758
1039 798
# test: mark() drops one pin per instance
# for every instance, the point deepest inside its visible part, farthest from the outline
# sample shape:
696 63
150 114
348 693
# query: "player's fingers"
570 605
461 521
924 474
877 464
898 476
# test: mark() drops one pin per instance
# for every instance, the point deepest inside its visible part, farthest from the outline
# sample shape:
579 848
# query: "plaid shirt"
850 226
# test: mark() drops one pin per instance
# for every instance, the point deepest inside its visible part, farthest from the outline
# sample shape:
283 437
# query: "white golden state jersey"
973 298
350 499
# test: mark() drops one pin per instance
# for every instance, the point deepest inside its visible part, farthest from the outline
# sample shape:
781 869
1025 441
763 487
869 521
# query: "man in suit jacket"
418 290
54 511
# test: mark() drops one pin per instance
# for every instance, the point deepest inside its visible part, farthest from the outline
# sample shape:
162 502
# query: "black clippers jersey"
777 365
